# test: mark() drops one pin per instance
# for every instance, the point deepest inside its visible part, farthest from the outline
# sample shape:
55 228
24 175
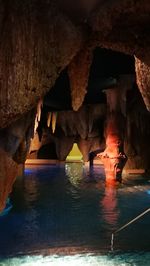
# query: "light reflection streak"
109 206
74 172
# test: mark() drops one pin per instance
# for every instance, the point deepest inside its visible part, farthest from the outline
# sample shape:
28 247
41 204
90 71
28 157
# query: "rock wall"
14 146
33 51
137 132
40 38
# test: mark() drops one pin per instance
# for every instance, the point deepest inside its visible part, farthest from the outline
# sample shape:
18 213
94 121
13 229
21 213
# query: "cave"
74 75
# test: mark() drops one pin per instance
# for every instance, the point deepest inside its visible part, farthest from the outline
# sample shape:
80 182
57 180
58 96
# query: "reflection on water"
74 171
31 190
69 210
109 205
31 187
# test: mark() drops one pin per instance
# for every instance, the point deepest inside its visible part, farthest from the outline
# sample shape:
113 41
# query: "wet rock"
113 157
8 172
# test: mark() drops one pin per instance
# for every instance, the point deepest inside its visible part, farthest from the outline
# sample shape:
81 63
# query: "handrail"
124 226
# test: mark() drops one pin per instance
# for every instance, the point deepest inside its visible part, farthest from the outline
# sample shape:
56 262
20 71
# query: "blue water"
66 214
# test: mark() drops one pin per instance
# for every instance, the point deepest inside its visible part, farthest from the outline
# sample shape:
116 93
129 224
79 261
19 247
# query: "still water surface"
66 214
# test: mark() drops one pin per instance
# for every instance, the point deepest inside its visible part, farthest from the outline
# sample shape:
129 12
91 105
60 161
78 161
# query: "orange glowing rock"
113 157
8 173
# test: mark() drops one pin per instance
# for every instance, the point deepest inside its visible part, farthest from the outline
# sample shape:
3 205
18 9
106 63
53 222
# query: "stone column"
114 157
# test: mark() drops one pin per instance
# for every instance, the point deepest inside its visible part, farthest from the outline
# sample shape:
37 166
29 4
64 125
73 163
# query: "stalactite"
38 114
35 125
39 109
84 146
49 116
35 143
78 71
54 120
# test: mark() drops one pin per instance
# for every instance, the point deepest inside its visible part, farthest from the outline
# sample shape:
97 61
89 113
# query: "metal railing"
124 226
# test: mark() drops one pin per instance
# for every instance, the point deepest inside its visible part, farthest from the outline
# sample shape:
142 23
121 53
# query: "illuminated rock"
78 71
114 157
8 172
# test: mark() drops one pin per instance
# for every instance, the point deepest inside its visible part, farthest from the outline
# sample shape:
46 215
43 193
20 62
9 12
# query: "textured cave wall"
14 135
143 80
137 132
124 26
39 38
33 51
14 146
8 172
117 26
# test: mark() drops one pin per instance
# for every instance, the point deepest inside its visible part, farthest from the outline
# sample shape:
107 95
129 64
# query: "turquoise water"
65 215
128 259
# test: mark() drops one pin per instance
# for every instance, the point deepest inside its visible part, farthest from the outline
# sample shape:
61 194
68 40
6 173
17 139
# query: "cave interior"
74 73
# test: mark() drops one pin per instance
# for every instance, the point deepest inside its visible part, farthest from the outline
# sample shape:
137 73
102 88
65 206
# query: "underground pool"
66 214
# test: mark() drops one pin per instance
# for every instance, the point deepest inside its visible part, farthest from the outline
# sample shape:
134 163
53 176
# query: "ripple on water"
72 207
127 259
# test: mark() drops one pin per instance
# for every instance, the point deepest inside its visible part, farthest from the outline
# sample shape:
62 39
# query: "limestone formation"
113 156
33 51
8 174
78 71
143 80
40 38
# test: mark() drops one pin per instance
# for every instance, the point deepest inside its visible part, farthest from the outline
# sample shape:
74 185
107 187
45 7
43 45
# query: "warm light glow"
39 108
74 154
49 116
38 115
54 120
109 205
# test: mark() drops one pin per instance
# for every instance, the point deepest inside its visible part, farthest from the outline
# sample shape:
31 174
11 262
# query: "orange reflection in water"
109 206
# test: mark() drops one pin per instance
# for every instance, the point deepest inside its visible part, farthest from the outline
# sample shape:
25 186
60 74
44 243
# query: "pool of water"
65 215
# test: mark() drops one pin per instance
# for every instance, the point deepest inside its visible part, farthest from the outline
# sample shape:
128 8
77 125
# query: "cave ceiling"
39 39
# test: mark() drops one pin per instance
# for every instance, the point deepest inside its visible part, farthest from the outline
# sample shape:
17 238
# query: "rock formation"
40 38
114 157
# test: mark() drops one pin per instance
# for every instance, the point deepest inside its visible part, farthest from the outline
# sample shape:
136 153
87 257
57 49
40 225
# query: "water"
112 242
65 215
